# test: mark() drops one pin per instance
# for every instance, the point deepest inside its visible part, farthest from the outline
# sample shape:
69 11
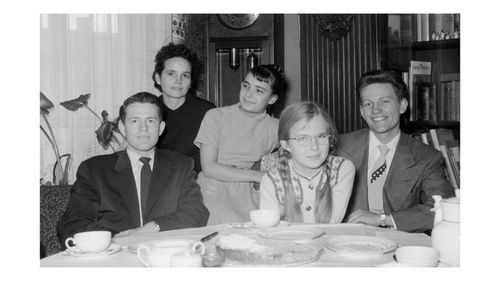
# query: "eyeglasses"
306 140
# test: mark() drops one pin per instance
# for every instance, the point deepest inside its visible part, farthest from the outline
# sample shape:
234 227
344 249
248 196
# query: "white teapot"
446 233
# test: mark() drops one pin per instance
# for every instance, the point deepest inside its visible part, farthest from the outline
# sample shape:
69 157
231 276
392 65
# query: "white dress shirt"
374 153
136 169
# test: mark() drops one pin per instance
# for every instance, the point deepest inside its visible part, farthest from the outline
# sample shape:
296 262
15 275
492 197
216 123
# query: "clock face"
238 21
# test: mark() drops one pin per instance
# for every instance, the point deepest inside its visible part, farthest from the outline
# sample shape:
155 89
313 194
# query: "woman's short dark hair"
141 97
178 51
392 77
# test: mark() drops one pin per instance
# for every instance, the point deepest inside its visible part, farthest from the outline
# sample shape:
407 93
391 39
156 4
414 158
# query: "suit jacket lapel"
161 176
396 185
358 154
126 183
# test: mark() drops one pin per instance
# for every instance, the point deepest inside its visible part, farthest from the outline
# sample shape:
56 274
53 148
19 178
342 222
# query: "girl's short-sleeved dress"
241 140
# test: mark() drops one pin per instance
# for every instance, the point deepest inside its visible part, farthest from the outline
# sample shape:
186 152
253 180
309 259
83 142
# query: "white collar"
374 142
134 156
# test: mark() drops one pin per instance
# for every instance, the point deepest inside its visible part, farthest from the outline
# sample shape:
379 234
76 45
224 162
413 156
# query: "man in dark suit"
138 190
396 176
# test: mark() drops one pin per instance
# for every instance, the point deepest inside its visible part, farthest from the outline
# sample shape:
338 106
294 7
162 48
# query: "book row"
432 101
407 28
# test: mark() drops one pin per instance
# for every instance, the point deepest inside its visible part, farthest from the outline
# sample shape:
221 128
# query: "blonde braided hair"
293 114
292 211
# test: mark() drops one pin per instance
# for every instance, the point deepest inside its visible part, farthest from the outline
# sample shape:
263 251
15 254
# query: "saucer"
113 248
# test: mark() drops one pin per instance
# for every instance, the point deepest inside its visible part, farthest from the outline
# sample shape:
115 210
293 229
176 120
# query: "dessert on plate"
241 250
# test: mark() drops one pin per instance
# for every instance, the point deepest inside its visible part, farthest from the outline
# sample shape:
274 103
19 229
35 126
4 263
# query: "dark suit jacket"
416 173
104 195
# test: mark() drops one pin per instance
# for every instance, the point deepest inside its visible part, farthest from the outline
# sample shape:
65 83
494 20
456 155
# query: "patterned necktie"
377 180
145 181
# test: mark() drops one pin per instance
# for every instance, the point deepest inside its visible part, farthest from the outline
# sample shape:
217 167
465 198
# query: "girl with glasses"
310 184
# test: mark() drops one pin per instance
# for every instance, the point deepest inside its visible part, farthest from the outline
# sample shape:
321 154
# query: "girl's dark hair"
272 74
181 51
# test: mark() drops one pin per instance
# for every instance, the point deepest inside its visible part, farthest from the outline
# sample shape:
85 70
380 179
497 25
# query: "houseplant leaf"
75 104
45 104
105 131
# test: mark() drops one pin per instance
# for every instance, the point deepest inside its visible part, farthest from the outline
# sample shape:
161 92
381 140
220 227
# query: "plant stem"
50 140
54 145
96 115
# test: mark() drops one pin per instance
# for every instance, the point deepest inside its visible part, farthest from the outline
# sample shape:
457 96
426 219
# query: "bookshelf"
425 48
430 67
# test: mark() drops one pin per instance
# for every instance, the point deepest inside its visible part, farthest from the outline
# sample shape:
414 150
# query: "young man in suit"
394 190
138 190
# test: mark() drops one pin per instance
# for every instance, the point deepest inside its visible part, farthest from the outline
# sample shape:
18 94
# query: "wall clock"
238 21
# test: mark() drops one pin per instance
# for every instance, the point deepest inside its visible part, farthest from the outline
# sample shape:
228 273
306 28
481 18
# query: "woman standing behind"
231 139
176 75
310 184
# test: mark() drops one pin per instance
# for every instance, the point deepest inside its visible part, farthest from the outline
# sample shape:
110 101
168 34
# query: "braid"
292 209
323 209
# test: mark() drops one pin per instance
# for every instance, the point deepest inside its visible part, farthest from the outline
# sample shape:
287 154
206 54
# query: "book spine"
453 102
456 89
432 103
455 152
454 167
434 138
441 103
406 29
424 138
422 108
424 29
451 175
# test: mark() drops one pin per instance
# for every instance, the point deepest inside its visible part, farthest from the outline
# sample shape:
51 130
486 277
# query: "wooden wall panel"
330 69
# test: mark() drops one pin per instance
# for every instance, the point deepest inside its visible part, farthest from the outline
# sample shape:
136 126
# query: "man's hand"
147 228
361 216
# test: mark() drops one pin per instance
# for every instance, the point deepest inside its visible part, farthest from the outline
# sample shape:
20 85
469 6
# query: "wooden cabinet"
434 101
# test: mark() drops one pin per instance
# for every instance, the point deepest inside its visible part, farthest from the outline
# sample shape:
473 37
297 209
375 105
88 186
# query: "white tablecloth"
125 258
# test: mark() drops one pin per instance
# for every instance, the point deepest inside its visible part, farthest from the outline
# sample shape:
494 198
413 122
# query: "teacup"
160 254
89 241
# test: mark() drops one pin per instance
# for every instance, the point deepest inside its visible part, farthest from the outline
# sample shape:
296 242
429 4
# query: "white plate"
113 248
251 225
361 245
291 233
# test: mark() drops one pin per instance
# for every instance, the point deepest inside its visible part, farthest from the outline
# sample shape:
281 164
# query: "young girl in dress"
231 139
310 184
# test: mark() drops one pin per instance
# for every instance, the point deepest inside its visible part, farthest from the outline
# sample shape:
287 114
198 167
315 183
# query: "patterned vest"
335 164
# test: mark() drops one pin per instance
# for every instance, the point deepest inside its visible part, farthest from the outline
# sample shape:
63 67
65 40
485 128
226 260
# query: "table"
124 258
